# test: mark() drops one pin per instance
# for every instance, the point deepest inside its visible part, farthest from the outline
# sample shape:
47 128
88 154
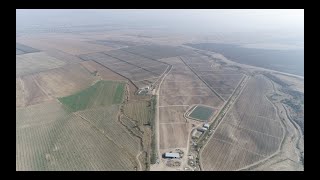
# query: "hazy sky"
203 21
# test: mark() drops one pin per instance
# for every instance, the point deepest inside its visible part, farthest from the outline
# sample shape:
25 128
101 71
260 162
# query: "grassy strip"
103 93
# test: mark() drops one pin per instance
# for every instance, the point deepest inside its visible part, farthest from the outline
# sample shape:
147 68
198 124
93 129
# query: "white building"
172 155
206 125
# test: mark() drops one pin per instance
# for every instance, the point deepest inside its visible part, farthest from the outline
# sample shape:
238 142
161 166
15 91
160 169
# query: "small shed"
206 125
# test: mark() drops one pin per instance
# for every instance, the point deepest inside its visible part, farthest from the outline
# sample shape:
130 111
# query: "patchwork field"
36 62
124 67
251 131
32 92
157 51
67 44
103 93
213 101
65 80
23 49
105 119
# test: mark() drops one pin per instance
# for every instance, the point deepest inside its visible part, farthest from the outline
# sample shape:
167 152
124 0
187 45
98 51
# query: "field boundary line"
284 130
246 79
173 105
202 80
173 123
238 126
125 150
237 145
129 63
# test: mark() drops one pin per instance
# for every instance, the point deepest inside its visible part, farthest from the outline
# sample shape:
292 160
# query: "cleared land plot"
23 49
251 125
65 80
205 91
103 93
99 57
223 156
214 71
146 82
182 77
133 58
19 93
65 57
176 84
70 45
139 111
253 100
158 70
106 120
203 113
115 43
256 123
122 66
137 75
32 92
35 134
107 74
257 142
157 51
172 114
173 135
213 101
172 60
80 146
36 62
224 84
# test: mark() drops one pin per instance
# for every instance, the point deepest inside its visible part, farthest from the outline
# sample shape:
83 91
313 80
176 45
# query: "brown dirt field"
251 125
213 101
172 60
33 93
36 62
65 57
222 156
172 114
262 144
19 93
173 135
66 80
182 77
176 84
184 91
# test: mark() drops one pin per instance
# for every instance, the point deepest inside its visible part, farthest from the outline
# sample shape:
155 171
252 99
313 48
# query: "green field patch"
202 113
102 93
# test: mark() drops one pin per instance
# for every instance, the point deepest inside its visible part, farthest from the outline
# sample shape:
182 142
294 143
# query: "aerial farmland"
94 98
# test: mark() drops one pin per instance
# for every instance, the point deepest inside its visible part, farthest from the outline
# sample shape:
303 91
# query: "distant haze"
204 21
260 29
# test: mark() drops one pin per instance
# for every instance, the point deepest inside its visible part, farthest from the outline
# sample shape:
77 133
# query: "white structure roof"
206 125
172 155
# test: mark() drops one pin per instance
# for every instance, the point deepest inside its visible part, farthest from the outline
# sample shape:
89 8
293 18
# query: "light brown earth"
65 80
174 135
